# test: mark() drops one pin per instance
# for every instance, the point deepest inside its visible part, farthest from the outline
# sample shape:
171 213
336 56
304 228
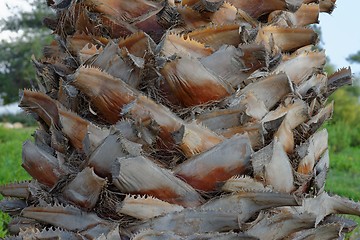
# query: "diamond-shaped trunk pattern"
193 119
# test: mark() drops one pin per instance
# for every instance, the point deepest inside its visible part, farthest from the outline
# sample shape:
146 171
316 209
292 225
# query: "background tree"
16 70
354 58
344 130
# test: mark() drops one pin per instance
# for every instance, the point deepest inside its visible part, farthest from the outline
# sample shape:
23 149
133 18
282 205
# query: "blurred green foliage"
347 108
344 128
354 58
16 70
26 119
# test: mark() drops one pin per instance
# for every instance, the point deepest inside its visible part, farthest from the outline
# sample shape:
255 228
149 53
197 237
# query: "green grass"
343 178
344 174
10 154
10 161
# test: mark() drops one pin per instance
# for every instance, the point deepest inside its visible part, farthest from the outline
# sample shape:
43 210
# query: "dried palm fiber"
191 119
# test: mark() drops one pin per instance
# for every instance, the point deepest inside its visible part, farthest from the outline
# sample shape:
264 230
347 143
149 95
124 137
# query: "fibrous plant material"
191 119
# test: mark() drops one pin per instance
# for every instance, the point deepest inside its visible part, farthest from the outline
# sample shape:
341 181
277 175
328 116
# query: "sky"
340 30
14 5
341 33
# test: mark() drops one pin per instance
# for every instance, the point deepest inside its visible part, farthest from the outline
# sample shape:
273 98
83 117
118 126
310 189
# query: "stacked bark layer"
180 120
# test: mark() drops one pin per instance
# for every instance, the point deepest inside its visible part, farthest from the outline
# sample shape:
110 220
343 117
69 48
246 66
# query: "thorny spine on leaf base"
180 119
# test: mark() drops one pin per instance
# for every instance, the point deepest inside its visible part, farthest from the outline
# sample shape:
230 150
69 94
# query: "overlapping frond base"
191 119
